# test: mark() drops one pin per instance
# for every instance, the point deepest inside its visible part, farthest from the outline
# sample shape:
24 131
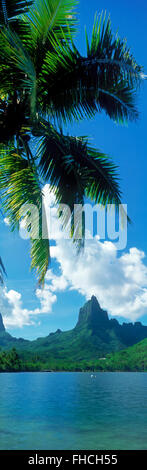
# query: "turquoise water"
54 411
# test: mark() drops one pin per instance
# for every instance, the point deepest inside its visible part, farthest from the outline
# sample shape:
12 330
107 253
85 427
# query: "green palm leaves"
46 17
44 78
76 170
72 166
9 9
104 80
21 179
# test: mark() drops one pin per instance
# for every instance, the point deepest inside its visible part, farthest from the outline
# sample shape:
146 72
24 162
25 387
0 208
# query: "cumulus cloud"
119 282
47 298
12 309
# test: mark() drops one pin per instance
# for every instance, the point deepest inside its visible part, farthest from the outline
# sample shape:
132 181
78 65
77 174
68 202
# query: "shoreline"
73 371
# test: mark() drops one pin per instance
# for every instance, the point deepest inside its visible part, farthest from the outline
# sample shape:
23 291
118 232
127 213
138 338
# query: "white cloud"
6 221
120 283
46 298
12 310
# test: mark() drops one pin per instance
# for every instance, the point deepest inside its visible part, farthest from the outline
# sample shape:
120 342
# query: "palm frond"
21 27
19 185
73 86
47 16
40 258
12 8
17 59
75 170
111 52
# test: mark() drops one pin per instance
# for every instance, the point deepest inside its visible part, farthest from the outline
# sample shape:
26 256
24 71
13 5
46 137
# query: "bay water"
73 411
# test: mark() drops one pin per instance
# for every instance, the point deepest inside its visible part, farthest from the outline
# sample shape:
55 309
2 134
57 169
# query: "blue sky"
128 148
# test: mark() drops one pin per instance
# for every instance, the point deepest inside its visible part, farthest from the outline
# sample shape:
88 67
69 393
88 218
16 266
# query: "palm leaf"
17 59
40 258
21 27
19 185
75 170
12 8
46 17
73 86
111 52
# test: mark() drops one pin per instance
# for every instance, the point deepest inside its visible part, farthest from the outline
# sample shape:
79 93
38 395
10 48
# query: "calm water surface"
73 411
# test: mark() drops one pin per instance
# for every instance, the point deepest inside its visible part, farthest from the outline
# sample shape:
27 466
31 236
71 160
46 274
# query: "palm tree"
45 83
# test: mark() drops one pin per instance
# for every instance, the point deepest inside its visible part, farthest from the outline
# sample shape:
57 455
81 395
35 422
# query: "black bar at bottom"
83 459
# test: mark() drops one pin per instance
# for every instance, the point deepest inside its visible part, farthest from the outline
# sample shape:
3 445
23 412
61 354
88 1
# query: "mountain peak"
94 300
2 328
92 315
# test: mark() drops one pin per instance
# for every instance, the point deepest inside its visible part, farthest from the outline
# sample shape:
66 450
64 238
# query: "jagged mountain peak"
92 315
94 336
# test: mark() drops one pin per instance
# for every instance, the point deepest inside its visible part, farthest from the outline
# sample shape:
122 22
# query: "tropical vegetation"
10 361
45 84
132 359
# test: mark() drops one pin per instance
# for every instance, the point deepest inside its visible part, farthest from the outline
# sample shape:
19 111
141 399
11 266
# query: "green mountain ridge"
132 359
93 337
